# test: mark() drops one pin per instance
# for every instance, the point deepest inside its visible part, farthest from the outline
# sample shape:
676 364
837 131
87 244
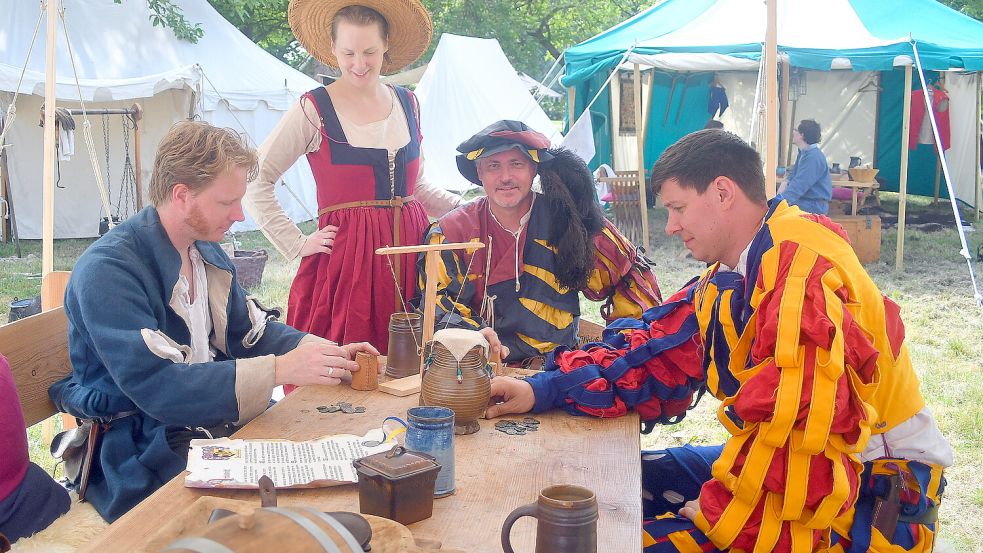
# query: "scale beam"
432 252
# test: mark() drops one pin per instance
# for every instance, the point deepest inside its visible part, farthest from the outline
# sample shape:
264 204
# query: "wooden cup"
366 378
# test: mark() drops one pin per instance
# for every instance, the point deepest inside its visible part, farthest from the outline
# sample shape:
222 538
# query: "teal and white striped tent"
846 57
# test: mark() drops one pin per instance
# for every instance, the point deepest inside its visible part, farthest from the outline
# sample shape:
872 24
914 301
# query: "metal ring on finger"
324 242
330 372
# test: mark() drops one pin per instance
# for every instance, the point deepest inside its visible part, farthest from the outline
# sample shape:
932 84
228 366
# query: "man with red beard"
165 345
832 447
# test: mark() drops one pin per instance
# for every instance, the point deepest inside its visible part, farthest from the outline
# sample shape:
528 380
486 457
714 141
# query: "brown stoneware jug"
456 376
567 518
405 337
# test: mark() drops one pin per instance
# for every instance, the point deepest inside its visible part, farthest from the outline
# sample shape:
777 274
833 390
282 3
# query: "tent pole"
783 114
614 91
771 99
903 185
877 117
571 105
948 178
648 107
938 175
791 124
979 185
48 190
4 206
138 163
640 141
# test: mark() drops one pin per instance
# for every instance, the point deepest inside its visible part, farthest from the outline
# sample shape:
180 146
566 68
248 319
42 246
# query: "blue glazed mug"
430 430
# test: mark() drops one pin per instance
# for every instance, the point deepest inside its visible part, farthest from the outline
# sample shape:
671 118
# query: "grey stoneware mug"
567 520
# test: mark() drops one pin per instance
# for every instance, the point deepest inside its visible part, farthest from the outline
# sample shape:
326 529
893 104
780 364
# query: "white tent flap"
460 95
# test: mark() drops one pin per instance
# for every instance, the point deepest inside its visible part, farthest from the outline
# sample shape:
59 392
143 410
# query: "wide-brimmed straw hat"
410 28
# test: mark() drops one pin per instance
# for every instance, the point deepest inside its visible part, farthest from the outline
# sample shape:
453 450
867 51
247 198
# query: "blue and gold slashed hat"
498 137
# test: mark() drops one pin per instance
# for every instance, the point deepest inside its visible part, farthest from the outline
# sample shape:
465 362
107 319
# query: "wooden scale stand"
411 384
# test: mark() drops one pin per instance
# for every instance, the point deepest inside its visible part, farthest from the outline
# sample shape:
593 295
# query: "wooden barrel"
281 529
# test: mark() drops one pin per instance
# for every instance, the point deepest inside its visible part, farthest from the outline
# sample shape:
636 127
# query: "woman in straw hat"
362 140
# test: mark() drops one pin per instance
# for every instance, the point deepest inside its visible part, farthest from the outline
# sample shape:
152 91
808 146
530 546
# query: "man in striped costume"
831 447
542 249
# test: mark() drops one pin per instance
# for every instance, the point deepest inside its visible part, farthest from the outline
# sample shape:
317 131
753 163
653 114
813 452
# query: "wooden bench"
37 349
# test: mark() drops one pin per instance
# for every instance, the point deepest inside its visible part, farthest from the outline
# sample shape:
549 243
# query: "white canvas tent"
121 58
469 84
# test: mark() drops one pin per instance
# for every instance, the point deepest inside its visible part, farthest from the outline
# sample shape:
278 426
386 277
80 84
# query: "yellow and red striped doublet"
808 360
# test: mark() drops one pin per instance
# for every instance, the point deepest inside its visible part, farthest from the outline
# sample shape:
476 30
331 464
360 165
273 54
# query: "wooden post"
572 104
647 113
791 125
48 182
614 91
771 99
640 140
432 253
903 185
4 194
877 118
784 122
138 163
429 302
978 201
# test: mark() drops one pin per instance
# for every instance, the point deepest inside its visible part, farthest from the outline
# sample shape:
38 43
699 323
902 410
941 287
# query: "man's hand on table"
362 347
318 363
494 343
516 397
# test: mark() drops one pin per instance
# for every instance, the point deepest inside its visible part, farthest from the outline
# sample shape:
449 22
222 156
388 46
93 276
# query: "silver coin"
360 409
347 409
332 409
371 443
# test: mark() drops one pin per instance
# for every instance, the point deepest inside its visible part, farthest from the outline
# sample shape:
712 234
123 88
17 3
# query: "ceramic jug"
456 376
405 335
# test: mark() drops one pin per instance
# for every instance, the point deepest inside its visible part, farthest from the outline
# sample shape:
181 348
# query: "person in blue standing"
809 185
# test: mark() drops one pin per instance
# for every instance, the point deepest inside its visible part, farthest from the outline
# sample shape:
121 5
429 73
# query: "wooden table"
495 473
853 185
855 188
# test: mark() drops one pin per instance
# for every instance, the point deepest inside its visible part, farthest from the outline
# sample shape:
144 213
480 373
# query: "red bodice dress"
348 295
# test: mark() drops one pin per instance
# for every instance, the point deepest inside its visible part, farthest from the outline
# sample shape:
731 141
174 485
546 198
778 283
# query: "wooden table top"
495 473
843 183
854 184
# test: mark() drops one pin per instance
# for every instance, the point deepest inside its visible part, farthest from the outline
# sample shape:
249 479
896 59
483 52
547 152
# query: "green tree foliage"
165 14
533 33
265 23
972 8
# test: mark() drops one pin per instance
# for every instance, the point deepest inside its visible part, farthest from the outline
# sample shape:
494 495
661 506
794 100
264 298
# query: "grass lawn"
944 334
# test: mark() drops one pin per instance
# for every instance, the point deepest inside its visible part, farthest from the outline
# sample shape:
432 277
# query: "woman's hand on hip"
320 241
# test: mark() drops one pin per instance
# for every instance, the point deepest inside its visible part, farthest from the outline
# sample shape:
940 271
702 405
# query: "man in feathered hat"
542 248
